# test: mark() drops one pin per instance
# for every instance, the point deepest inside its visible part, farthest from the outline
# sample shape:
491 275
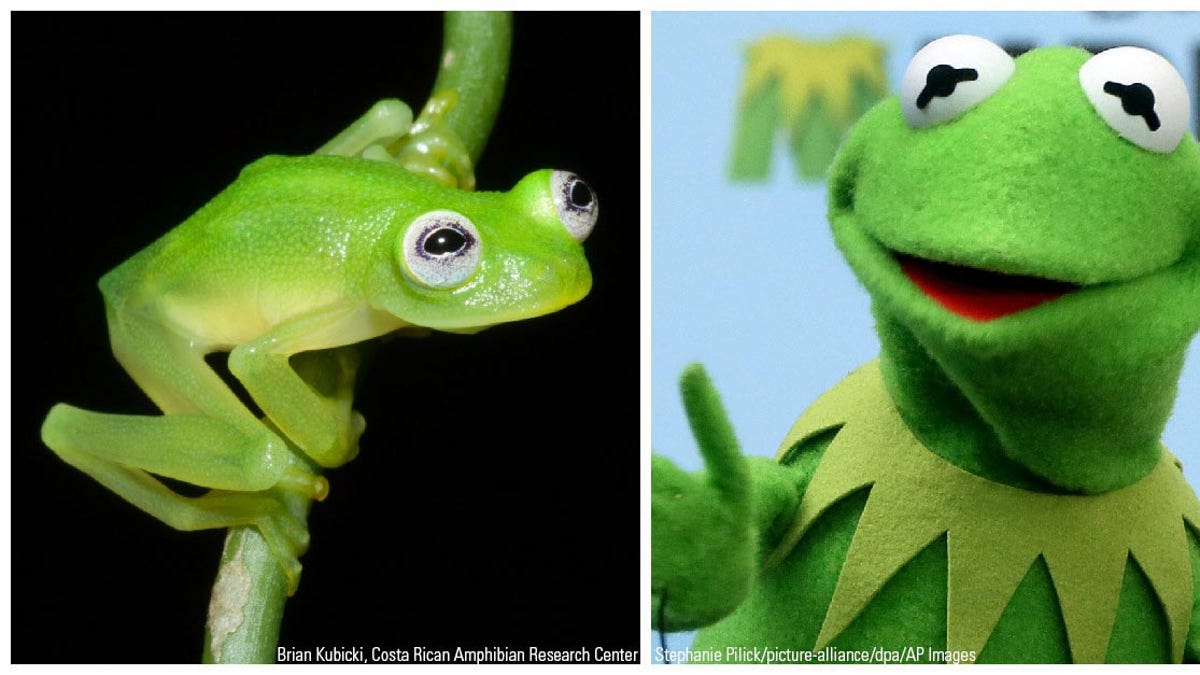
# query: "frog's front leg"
206 437
385 123
323 425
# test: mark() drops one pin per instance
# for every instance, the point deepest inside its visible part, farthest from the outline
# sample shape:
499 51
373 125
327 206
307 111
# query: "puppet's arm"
710 530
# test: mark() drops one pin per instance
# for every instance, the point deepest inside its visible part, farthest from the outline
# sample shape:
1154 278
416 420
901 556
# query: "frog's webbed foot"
433 149
285 533
427 146
206 437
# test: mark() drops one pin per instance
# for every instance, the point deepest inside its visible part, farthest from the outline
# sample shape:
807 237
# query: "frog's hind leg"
170 367
208 437
116 450
191 448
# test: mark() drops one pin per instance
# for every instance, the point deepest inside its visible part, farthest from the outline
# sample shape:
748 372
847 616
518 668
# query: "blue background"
745 277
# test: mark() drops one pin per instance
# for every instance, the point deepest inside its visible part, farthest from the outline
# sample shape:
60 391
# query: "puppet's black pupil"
942 80
1136 99
443 241
581 195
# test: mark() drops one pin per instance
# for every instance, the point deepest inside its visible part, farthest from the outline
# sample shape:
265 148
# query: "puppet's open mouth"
979 295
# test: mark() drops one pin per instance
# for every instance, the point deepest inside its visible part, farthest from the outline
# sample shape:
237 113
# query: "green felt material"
909 610
1134 641
703 555
940 414
994 532
916 599
1192 648
805 455
1031 181
1030 629
785 607
707 529
718 444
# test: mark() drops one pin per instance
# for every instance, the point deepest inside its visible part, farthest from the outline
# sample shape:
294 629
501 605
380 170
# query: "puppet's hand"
703 542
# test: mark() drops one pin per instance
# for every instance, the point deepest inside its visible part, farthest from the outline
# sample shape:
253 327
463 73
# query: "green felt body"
791 600
910 610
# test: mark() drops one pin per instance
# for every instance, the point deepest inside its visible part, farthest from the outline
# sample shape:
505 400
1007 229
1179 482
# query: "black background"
495 499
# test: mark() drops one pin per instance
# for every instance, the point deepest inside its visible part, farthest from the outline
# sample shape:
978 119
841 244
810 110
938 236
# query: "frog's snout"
565 281
573 282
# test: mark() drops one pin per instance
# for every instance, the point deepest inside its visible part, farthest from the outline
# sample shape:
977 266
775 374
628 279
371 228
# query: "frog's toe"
304 483
354 429
287 538
342 443
295 532
291 570
438 154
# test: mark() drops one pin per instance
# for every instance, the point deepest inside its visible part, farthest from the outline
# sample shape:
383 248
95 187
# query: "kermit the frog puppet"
993 487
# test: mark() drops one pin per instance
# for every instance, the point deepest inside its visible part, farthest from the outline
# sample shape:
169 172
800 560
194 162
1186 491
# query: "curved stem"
248 597
474 64
246 608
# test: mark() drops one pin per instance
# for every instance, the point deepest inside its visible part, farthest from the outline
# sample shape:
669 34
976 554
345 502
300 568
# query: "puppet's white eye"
1139 94
950 76
441 249
575 202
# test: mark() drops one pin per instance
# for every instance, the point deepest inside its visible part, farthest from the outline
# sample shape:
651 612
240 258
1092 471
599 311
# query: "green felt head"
1032 181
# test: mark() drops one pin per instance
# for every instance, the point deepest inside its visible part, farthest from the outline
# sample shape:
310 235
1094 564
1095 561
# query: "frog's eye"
950 76
441 249
576 202
1139 94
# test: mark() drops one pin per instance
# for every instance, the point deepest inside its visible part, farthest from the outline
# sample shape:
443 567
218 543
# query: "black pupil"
1136 99
942 80
444 240
581 195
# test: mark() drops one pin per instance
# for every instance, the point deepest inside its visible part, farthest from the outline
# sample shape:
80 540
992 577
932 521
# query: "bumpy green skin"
1070 396
299 254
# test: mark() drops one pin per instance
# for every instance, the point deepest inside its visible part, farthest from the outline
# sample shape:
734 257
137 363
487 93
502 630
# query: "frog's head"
480 259
1030 223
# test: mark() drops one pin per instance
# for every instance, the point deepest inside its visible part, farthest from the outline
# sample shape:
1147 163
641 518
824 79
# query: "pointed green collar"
994 532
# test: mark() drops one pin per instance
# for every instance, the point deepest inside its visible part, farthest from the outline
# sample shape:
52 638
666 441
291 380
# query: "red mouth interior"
977 294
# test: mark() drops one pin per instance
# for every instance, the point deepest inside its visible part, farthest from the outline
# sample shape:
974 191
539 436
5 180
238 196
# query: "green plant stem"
250 592
246 608
475 51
